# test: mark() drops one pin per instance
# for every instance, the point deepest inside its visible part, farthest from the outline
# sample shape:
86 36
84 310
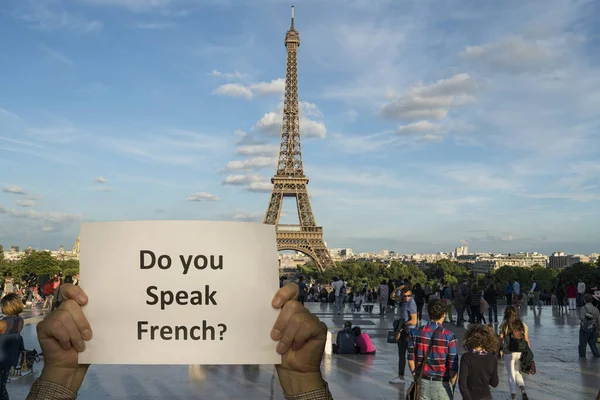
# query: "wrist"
70 378
293 382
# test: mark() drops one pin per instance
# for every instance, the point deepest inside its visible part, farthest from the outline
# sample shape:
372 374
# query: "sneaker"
397 380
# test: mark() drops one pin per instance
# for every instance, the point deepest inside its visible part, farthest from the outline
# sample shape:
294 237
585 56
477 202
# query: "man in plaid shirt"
440 370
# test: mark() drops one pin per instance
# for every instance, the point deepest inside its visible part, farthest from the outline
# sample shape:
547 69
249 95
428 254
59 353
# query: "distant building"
461 251
559 260
346 252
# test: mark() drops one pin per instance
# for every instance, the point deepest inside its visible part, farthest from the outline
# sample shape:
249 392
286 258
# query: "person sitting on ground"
301 338
478 366
363 342
344 341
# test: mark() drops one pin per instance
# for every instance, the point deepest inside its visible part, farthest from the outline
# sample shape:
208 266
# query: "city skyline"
424 126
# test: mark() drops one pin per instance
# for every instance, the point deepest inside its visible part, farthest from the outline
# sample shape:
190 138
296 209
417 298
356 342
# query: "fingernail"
277 302
79 345
276 334
87 334
82 298
280 347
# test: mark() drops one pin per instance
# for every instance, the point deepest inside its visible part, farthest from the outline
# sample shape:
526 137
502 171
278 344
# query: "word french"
179 332
149 260
183 298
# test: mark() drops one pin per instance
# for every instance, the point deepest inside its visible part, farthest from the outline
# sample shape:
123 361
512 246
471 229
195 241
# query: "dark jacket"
490 296
345 341
526 361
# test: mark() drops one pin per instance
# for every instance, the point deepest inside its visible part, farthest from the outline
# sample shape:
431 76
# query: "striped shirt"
444 356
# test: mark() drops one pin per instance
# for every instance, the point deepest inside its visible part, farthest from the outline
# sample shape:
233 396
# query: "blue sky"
426 124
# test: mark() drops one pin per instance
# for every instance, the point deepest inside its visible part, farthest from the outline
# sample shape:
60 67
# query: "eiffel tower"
289 180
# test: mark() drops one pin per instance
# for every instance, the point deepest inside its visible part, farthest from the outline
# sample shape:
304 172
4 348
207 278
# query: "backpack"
516 341
589 323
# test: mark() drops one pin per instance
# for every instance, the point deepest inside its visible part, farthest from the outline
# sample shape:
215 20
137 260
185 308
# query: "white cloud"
275 86
43 17
420 127
56 55
100 179
236 180
234 90
516 54
260 187
202 196
251 164
247 216
257 150
432 101
227 75
46 217
13 189
27 203
270 123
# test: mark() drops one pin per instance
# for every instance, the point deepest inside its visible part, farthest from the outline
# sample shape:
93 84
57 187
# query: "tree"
69 267
589 273
39 262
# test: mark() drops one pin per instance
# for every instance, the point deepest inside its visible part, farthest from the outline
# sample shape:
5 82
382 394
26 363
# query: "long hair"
512 321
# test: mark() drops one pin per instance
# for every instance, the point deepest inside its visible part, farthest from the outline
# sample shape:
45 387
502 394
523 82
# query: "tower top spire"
292 35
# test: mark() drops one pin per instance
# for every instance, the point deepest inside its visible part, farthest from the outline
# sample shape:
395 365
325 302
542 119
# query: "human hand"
302 337
62 336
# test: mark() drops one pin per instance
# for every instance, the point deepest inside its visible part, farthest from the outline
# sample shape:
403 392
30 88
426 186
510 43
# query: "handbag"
394 336
414 390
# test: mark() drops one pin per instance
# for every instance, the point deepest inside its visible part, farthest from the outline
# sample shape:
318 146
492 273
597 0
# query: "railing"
298 228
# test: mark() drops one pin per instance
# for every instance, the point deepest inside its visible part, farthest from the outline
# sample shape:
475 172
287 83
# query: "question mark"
223 329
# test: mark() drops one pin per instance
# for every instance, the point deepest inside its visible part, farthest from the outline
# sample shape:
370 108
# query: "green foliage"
39 262
586 271
69 267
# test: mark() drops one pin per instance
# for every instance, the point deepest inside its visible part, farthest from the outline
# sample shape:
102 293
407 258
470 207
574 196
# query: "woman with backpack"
514 340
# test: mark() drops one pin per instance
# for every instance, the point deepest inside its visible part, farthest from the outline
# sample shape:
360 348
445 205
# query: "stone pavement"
554 336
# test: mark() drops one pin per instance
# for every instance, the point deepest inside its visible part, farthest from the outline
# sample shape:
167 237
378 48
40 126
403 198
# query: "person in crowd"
580 292
58 297
516 289
419 296
474 301
514 340
339 288
478 365
48 292
572 296
359 297
11 325
459 303
344 341
560 295
446 296
483 308
535 292
383 292
396 292
491 296
9 285
303 290
589 327
364 345
440 370
508 292
427 291
391 290
301 349
408 314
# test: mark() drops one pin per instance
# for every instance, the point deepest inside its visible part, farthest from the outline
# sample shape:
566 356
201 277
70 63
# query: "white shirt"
581 287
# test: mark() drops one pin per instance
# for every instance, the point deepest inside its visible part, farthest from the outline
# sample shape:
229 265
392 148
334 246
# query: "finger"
70 291
76 314
312 328
289 309
53 328
286 293
74 334
294 325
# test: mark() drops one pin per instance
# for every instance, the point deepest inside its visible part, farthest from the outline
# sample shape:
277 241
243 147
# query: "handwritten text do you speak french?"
165 298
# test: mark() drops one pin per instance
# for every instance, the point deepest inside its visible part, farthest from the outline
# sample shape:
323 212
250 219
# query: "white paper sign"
179 292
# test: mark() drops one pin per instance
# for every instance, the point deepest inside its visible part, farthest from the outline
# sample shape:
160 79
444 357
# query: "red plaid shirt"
443 358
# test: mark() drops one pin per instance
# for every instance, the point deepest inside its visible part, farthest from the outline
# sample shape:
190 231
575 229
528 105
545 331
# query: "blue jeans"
339 303
436 390
493 307
588 338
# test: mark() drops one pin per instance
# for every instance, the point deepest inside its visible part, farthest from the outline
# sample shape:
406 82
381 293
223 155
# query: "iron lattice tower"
289 179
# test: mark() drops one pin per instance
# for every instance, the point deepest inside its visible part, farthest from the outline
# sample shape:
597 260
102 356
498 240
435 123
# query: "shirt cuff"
46 390
317 394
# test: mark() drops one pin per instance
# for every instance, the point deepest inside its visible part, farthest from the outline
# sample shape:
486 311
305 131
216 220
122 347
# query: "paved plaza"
554 336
